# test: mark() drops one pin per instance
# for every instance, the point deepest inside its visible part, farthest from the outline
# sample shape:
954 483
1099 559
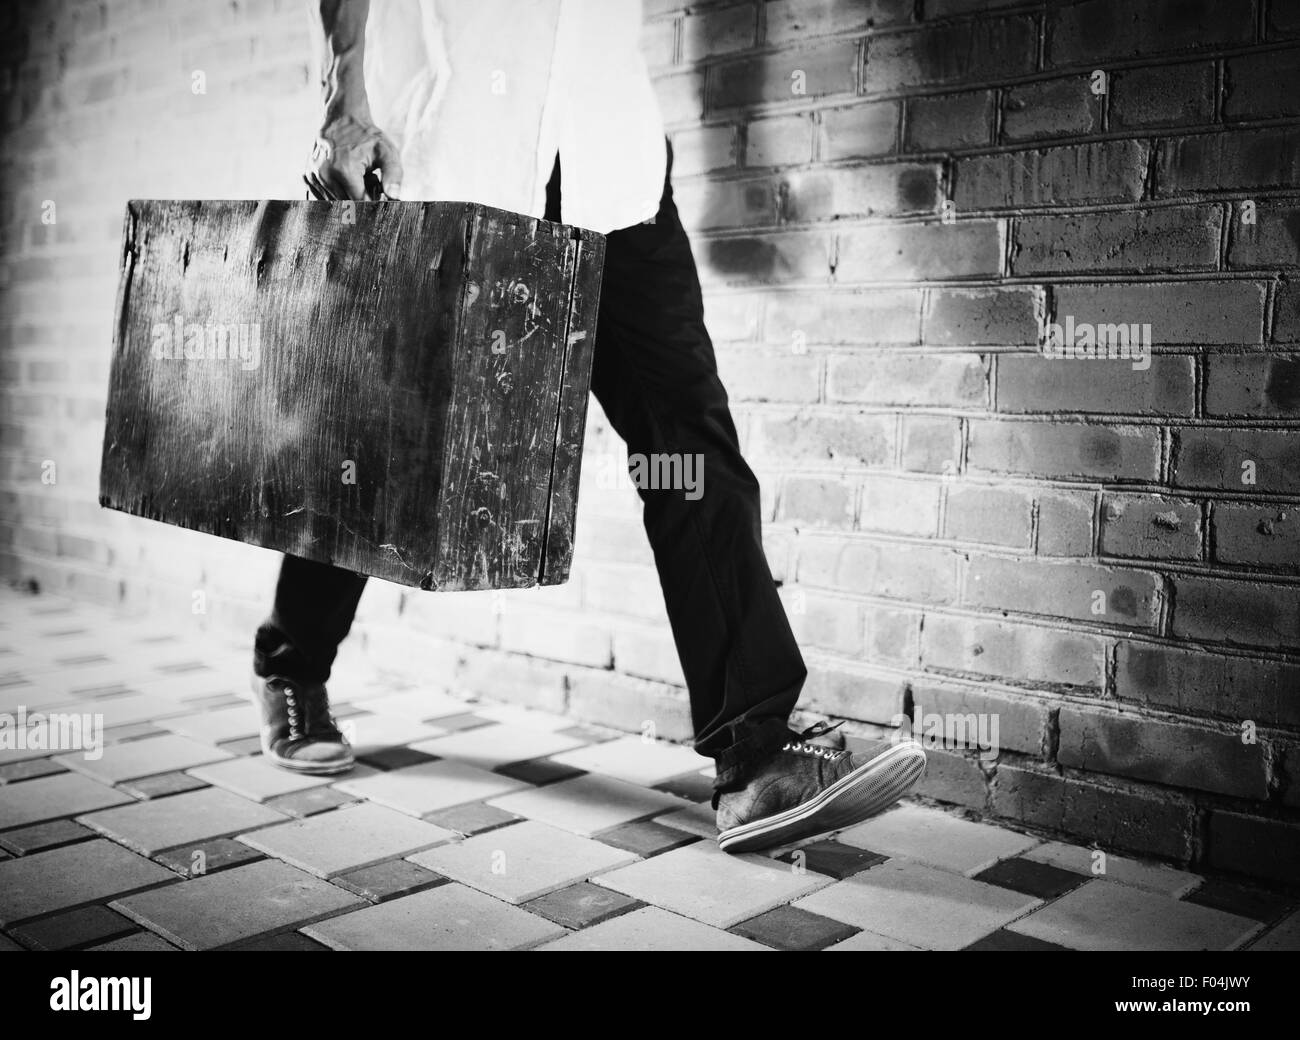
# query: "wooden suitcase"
397 388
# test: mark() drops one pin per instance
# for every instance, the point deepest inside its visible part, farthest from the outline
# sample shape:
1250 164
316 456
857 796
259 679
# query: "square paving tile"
1154 877
1031 877
218 725
694 787
164 823
51 797
1283 936
937 838
255 779
581 905
832 859
919 905
207 857
490 746
789 928
137 942
653 929
705 883
522 862
396 758
1006 940
147 757
1105 915
162 785
633 759
383 881
587 804
473 818
72 876
460 723
284 942
370 733
1242 900
346 839
29 769
235 905
417 705
646 838
423 789
134 707
310 802
539 771
529 718
697 818
870 942
41 836
73 929
449 917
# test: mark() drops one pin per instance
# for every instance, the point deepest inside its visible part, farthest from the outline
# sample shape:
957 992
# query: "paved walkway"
477 825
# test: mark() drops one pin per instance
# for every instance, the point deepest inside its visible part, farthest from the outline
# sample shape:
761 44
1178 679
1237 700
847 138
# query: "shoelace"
291 704
817 729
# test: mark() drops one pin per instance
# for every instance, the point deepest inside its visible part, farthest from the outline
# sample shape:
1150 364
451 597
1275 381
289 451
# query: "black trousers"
656 378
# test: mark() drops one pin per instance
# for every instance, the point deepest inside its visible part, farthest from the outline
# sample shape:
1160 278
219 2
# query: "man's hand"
347 152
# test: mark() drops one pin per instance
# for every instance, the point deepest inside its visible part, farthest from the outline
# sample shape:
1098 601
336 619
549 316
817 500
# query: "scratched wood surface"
397 388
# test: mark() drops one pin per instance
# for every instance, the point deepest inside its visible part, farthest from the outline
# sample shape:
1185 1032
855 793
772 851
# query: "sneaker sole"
293 765
864 793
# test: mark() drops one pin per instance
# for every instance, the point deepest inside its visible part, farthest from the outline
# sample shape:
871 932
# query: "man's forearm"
341 25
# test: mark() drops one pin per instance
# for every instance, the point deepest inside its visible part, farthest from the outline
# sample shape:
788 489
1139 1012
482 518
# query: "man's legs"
655 376
314 607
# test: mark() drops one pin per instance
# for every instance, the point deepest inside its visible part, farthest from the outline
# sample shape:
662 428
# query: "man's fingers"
318 189
391 163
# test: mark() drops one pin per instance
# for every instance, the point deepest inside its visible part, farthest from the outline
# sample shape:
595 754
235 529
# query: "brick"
1174 755
1167 239
1253 845
1162 95
861 132
827 69
1050 108
951 53
931 443
703 150
1246 613
838 194
1237 460
779 141
1262 86
833 438
1117 386
1190 312
787 378
737 203
852 692
1266 386
844 317
658 43
63 879
1256 535
1236 161
919 574
1096 30
892 635
789 21
949 121
899 506
947 712
1064 450
1017 653
716 32
944 380
1105 171
1083 862
989 515
680 96
1199 683
1283 21
1150 527
953 778
1085 592
827 623
53 797
1005 316
1269 242
1286 314
920 252
776 257
1112 817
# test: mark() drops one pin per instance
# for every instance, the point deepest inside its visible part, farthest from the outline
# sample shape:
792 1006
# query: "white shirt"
479 95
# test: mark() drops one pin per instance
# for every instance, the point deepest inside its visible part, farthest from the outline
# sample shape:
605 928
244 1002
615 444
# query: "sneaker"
805 790
298 732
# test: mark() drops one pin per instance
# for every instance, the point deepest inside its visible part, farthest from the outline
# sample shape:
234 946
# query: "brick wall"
890 202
